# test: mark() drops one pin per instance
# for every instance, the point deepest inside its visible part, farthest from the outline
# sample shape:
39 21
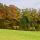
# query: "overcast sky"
23 3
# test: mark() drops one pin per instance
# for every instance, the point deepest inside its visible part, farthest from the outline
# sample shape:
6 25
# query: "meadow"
6 34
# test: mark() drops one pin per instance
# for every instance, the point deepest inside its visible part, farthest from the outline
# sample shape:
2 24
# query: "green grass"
19 35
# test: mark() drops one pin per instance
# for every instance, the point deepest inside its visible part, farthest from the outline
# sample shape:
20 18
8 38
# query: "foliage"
11 17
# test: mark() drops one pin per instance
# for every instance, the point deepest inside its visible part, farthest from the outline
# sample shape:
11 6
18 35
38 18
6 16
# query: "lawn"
19 35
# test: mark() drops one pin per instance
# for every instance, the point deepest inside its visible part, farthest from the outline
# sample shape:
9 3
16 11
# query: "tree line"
12 17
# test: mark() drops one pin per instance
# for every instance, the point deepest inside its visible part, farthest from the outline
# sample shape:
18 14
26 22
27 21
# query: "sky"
23 3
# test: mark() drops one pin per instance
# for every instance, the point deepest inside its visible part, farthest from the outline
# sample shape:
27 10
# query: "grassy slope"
19 35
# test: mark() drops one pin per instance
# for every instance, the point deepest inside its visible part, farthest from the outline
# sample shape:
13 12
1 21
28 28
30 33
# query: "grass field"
19 35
